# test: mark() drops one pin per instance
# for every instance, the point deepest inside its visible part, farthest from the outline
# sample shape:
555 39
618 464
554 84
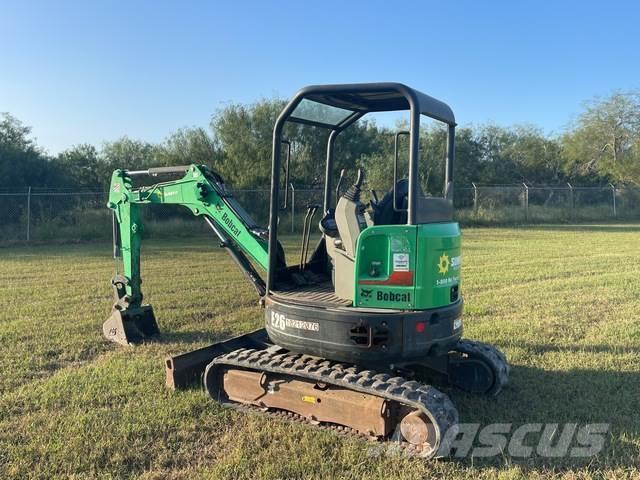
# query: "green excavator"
356 333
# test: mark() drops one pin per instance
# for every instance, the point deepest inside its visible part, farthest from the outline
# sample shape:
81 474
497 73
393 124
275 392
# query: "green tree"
603 145
82 165
187 146
360 141
468 167
534 157
22 162
125 153
521 153
245 133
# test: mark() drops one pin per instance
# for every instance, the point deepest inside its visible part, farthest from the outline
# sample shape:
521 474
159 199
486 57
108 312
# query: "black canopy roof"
361 98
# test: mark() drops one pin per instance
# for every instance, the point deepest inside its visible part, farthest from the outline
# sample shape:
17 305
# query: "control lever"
360 178
353 193
306 233
342 172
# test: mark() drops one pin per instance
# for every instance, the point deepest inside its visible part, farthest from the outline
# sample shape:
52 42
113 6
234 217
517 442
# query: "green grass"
561 302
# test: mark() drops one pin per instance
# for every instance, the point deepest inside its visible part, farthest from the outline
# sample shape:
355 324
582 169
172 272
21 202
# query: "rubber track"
433 403
495 359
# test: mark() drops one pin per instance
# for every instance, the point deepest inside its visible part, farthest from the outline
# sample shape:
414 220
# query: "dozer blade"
130 326
186 369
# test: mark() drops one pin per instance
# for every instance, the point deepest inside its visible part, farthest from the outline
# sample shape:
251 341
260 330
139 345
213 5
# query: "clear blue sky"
89 71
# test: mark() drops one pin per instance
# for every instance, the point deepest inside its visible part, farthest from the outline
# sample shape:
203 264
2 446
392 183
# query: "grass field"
562 302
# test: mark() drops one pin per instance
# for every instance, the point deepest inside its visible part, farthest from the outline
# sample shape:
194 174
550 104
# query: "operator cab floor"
315 295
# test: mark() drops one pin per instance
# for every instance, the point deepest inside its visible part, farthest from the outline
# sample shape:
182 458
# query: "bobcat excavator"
355 331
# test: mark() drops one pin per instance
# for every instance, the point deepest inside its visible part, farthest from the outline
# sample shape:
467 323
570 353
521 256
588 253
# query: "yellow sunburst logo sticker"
443 264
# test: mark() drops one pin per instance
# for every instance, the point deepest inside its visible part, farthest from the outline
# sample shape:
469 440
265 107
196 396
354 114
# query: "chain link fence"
43 215
512 204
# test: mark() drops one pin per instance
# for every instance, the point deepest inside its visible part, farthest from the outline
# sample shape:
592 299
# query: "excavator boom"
204 193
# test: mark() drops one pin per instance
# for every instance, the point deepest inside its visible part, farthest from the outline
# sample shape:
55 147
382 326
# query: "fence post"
525 201
613 196
572 202
293 207
475 198
29 214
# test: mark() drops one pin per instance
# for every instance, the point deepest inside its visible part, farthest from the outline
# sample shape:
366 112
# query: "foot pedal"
299 279
310 277
130 326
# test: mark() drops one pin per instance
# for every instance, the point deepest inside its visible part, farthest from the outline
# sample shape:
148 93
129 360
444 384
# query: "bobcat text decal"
229 223
393 297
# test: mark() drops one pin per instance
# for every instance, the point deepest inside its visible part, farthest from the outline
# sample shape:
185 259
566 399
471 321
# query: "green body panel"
193 191
407 267
439 262
377 249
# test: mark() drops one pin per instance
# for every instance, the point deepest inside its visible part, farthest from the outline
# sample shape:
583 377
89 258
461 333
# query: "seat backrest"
384 214
434 210
428 209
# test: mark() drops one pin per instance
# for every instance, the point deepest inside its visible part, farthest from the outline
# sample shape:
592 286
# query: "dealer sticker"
400 262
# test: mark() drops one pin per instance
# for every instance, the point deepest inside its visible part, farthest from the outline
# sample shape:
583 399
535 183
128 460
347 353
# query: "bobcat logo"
365 293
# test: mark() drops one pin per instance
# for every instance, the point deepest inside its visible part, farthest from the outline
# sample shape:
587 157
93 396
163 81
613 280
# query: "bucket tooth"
130 326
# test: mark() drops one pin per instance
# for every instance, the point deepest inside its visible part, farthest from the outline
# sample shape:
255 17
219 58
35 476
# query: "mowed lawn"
562 302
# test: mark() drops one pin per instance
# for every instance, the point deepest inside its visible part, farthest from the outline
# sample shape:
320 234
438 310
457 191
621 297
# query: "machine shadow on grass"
541 348
574 396
193 336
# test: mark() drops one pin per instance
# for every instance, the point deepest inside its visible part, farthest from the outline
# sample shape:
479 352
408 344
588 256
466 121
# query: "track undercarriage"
248 372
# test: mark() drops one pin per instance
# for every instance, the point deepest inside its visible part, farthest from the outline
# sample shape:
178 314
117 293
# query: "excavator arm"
204 193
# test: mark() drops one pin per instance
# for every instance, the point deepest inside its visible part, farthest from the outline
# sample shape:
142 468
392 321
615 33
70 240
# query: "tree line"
601 146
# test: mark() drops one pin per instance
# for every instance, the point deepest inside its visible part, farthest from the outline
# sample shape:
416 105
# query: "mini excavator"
356 333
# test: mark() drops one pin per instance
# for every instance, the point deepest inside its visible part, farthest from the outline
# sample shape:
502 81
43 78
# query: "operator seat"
428 209
383 212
